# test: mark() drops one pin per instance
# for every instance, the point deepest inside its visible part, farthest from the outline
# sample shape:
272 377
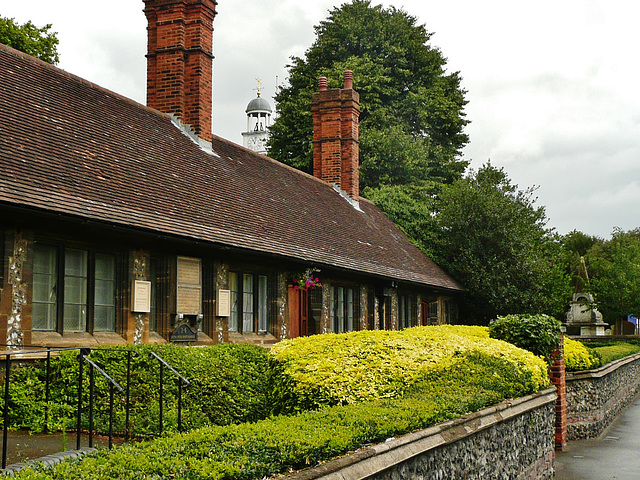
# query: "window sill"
76 339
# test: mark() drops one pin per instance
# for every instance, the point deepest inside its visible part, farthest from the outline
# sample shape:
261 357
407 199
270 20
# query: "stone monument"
583 317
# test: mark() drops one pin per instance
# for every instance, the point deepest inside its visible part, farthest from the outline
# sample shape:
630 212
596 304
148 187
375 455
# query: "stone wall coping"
602 371
370 460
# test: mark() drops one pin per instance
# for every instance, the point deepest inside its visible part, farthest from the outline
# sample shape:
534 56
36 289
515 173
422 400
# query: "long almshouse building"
125 223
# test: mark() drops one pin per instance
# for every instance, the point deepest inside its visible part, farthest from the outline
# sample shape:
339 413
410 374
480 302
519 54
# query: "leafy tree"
614 271
28 38
494 240
576 245
410 207
412 115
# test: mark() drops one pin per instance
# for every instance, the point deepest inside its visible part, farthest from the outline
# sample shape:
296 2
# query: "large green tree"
36 41
494 240
412 117
614 275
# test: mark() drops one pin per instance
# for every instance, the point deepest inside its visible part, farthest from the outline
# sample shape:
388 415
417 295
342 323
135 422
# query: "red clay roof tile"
71 147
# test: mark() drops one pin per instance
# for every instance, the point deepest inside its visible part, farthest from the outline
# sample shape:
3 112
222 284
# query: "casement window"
73 290
406 311
343 308
249 302
450 312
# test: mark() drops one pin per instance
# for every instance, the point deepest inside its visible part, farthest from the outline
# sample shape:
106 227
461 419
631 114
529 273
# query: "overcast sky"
552 85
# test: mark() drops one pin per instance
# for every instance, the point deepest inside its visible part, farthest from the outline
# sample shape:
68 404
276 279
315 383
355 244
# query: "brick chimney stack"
180 60
335 135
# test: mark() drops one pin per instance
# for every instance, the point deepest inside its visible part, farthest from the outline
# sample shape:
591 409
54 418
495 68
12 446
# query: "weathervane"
259 89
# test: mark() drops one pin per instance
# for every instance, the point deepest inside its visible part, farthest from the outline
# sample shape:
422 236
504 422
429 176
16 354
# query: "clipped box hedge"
465 382
228 384
348 368
578 357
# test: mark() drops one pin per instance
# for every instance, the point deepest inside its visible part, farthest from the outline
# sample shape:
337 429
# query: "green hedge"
347 368
466 383
578 357
539 334
228 384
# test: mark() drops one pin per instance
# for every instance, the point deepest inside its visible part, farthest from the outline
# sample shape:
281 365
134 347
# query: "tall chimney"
335 135
180 60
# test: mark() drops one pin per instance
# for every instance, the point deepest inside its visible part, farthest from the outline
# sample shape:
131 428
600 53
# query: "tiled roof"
71 147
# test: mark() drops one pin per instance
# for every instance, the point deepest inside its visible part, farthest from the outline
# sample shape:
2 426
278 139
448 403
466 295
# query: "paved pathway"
613 455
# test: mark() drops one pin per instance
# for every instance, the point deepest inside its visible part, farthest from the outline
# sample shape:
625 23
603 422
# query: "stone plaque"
189 286
189 300
183 333
223 303
188 271
141 296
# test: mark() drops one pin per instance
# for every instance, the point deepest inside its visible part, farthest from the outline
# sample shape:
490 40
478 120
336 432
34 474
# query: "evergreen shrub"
539 334
579 357
463 383
228 384
334 369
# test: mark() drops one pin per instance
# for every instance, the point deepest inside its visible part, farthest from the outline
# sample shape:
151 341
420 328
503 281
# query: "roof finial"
259 88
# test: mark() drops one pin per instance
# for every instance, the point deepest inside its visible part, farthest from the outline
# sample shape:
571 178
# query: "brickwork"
335 135
558 379
180 60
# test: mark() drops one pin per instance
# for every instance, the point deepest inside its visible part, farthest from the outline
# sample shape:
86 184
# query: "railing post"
179 405
91 390
161 393
47 392
81 354
127 424
111 416
5 433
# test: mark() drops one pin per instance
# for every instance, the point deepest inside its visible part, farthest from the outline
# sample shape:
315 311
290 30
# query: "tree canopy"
35 41
493 238
614 275
412 115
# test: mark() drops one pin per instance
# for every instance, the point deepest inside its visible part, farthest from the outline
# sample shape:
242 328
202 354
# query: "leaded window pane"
105 293
44 288
233 288
247 303
263 305
75 291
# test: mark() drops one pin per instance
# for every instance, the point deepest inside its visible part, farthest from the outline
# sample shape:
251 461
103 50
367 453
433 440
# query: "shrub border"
370 461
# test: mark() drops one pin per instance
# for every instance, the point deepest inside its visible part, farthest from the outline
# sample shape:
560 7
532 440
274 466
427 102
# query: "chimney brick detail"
180 60
336 115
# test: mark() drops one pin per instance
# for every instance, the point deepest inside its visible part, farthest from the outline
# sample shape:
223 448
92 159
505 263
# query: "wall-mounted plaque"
183 333
141 301
223 303
189 286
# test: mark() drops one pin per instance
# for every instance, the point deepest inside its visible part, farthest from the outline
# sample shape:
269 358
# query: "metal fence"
31 352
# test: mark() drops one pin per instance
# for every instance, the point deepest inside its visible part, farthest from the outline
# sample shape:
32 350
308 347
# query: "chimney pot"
323 84
348 80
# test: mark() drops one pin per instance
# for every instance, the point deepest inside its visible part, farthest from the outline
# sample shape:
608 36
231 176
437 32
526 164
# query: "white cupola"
258 123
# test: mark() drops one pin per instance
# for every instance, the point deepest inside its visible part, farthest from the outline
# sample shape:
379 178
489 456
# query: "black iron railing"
182 382
83 357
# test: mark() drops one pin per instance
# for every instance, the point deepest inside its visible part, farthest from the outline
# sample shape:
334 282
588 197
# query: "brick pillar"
336 115
558 378
180 60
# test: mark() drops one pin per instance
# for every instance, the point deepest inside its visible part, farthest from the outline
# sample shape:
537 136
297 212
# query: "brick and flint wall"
596 397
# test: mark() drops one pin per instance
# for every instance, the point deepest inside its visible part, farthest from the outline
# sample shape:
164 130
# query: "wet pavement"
613 455
23 446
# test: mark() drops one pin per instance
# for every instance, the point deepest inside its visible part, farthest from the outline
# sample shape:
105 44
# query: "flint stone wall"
596 397
511 441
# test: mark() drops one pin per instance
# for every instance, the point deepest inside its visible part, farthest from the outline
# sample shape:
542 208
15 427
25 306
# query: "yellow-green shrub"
578 357
358 366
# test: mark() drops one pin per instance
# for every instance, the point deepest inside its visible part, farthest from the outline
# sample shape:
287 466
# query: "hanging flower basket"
306 280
